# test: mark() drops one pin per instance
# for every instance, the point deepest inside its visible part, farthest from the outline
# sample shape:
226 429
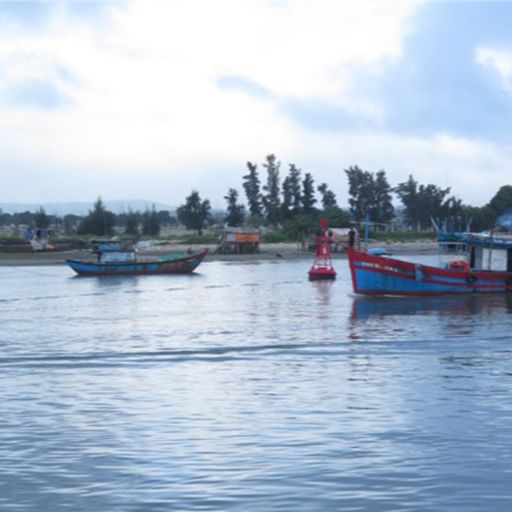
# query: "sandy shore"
267 251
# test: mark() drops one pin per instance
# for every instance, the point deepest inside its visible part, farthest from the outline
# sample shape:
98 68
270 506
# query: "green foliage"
369 194
71 223
99 221
251 186
7 219
255 221
132 223
271 200
328 197
275 237
382 209
360 191
336 217
485 217
150 222
424 202
301 226
292 197
308 194
501 203
205 238
235 212
41 220
166 219
195 213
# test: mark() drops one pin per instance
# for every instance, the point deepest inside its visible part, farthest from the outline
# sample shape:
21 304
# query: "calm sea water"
246 387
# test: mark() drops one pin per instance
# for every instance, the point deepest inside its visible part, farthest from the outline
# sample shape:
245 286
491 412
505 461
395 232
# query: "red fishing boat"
484 267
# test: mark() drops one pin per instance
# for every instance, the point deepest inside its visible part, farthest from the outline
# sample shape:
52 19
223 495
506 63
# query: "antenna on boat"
434 223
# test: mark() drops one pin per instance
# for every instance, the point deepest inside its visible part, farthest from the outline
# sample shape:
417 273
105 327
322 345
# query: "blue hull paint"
377 275
375 282
183 265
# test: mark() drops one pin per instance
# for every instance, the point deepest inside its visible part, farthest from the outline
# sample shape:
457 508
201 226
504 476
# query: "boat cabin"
452 249
110 251
490 252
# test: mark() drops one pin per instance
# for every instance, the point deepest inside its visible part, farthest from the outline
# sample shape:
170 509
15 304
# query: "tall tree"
41 219
235 212
99 221
132 223
382 210
308 194
501 203
328 196
286 204
150 222
407 192
271 200
166 219
194 214
71 222
369 194
495 213
251 186
424 202
360 190
294 175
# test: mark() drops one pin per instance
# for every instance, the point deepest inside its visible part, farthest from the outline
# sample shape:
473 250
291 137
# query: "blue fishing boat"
112 258
484 266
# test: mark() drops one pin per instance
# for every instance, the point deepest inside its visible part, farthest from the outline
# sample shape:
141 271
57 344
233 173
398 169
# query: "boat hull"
183 265
378 275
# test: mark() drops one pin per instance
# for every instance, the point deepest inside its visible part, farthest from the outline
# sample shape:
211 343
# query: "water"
246 387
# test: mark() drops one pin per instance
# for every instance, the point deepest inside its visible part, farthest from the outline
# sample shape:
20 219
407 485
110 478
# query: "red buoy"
322 264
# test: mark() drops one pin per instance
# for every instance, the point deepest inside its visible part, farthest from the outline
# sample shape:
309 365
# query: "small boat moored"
115 259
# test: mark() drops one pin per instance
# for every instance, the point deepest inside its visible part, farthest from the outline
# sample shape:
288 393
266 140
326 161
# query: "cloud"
243 84
438 84
24 15
452 74
36 93
497 62
169 96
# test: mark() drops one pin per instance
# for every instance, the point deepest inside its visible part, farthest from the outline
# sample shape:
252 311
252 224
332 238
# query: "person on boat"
351 237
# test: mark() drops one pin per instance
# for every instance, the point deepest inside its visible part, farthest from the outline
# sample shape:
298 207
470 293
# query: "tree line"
289 200
99 221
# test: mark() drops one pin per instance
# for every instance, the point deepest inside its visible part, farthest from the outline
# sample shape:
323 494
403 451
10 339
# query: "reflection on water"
426 317
324 290
456 305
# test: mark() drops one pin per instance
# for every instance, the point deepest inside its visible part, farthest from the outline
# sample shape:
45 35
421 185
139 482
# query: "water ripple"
250 388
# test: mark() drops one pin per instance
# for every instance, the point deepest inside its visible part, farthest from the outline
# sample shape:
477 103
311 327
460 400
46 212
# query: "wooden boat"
485 267
113 259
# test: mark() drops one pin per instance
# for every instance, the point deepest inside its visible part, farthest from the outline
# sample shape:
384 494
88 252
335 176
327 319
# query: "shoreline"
285 251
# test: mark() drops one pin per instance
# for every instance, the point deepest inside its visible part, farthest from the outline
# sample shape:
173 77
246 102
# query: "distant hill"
78 208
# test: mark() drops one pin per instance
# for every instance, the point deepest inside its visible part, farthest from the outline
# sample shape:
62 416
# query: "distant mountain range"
78 208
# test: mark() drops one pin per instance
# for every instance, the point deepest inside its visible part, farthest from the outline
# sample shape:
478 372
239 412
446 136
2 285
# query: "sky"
151 99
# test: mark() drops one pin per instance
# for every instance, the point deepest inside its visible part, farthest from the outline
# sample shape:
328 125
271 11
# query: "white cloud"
499 60
148 108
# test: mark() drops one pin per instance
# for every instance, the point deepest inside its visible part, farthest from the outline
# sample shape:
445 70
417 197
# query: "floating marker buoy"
322 264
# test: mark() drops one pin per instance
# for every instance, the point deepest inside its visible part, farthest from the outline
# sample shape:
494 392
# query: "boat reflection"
323 288
429 318
364 308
